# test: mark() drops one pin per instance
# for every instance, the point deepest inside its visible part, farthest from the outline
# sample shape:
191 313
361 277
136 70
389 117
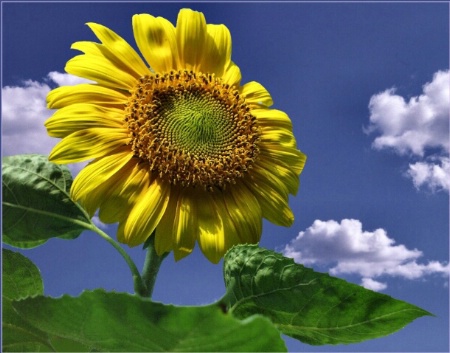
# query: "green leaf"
312 307
36 203
22 279
124 322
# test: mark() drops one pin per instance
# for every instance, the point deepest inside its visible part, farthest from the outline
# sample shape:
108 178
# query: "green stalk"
151 265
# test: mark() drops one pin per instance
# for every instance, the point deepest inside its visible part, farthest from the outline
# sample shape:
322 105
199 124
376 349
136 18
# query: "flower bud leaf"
309 306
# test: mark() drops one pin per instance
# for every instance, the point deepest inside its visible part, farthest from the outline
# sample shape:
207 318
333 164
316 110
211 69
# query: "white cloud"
96 220
347 249
24 111
416 127
371 284
23 114
62 79
434 175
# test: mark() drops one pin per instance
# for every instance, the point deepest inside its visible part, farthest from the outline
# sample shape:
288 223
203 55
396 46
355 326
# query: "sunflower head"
193 129
179 148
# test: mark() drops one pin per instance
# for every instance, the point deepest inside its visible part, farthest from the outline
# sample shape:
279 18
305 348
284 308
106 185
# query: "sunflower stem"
139 285
151 265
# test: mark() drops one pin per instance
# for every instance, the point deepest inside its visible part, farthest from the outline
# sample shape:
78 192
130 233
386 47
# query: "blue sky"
366 86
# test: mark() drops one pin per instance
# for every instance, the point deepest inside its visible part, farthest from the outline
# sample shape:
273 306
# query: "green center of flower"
192 129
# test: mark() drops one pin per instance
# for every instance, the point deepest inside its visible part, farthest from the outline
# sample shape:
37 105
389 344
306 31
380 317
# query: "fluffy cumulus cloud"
346 248
24 112
415 127
434 173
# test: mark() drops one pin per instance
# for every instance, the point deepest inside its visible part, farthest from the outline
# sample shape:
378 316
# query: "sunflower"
180 149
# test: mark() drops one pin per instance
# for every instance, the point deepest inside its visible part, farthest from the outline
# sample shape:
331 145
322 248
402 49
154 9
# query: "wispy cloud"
99 223
62 79
370 283
346 248
24 111
417 128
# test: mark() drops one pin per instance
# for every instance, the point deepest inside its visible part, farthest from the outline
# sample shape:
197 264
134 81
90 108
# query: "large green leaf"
312 307
124 322
36 203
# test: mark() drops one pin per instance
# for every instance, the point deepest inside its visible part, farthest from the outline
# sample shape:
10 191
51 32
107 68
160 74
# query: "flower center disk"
193 129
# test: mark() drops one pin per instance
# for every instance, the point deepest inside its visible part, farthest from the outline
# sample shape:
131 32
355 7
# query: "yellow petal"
211 236
97 196
272 118
95 94
146 213
277 135
100 70
81 116
88 144
262 175
274 206
245 211
185 229
96 52
255 93
97 176
122 51
178 228
232 231
217 50
288 156
191 34
117 202
91 48
165 231
157 42
232 75
283 173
